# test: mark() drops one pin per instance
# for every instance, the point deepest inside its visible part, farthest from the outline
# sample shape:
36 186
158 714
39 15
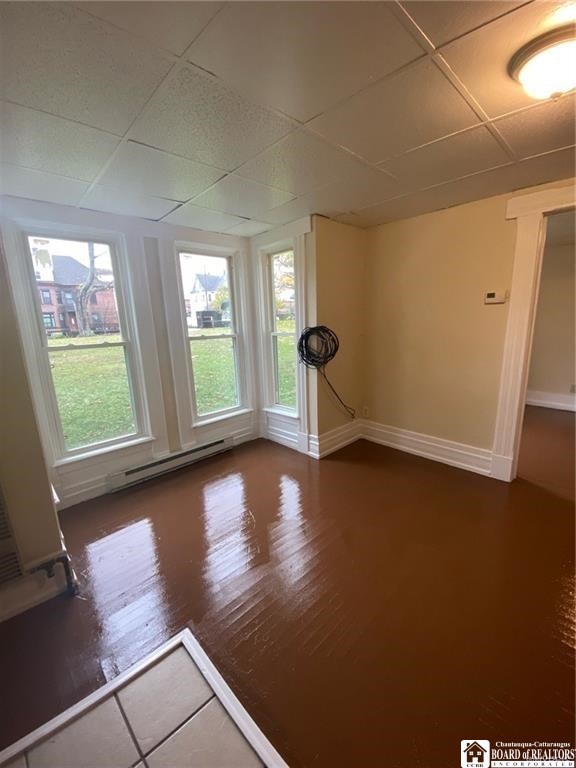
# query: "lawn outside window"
283 327
209 311
91 388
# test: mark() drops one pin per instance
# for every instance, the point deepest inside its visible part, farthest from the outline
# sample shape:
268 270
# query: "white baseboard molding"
30 590
332 441
555 400
502 468
469 457
436 448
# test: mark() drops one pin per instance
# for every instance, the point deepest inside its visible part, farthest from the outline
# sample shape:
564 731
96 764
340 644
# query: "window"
48 320
94 298
45 296
283 325
207 307
58 296
90 366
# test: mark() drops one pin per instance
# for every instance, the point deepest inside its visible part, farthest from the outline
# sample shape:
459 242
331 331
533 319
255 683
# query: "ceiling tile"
354 219
190 215
242 197
450 158
404 111
541 129
481 58
303 57
298 163
115 200
194 115
444 20
249 229
284 214
358 187
37 185
47 143
159 173
66 62
168 25
527 173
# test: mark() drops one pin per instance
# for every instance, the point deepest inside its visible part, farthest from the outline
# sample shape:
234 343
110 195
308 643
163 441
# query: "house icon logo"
475 754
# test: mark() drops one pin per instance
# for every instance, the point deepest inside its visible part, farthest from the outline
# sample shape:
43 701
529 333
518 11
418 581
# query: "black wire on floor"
316 347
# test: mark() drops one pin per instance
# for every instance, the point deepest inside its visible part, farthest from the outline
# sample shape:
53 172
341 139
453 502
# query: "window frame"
192 429
44 389
275 334
198 418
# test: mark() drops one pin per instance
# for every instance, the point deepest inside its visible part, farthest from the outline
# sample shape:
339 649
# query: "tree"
221 295
90 285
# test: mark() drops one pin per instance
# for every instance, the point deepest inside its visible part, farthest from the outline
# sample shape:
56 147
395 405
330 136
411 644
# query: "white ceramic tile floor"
210 739
178 684
173 710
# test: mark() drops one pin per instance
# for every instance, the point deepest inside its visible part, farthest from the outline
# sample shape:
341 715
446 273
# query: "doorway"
546 455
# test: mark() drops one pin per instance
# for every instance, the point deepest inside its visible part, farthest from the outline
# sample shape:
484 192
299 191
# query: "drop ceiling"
237 117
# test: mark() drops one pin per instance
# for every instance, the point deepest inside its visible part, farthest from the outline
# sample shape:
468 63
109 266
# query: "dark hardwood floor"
371 609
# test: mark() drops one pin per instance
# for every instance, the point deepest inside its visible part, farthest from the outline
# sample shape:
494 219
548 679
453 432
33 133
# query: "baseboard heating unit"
144 472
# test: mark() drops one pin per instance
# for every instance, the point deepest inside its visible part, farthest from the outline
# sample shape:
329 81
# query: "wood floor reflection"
370 609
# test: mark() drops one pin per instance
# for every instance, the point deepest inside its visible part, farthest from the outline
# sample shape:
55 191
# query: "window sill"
104 451
222 417
279 411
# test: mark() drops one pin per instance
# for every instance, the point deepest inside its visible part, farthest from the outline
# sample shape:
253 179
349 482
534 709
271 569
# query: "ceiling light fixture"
546 66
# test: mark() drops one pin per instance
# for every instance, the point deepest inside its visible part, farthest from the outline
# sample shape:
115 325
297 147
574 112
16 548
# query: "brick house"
59 297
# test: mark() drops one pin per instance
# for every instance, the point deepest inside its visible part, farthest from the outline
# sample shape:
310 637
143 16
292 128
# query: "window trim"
29 311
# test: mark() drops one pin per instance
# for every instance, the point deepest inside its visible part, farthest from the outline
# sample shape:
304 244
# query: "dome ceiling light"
546 66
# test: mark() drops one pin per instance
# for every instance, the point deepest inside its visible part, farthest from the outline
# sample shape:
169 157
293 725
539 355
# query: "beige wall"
434 348
23 475
341 305
552 363
419 348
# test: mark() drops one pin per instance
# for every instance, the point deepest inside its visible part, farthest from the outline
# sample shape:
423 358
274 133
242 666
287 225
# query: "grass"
94 395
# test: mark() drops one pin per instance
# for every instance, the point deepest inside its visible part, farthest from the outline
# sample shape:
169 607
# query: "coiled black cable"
316 347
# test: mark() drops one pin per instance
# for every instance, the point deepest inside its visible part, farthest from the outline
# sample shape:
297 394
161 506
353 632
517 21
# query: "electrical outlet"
365 412
573 388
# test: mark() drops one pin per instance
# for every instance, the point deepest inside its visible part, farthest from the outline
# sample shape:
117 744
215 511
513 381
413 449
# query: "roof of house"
474 744
209 282
68 271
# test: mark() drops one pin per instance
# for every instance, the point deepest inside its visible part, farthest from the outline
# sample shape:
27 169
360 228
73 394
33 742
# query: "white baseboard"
502 468
332 441
469 457
30 590
436 448
551 400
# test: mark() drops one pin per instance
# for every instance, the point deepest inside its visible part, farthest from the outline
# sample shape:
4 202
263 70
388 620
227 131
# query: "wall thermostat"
496 297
